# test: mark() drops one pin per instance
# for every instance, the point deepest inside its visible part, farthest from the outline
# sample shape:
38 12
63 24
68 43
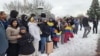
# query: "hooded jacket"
34 30
25 44
45 29
24 21
85 22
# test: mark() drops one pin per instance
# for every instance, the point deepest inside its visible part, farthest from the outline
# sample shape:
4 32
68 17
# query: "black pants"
13 50
55 44
3 54
95 29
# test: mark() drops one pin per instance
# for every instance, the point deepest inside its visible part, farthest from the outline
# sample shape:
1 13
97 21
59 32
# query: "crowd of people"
28 35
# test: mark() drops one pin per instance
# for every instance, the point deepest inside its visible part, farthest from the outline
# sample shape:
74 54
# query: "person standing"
95 26
13 35
35 31
13 15
4 19
45 34
62 29
76 22
24 21
26 47
86 26
3 36
80 23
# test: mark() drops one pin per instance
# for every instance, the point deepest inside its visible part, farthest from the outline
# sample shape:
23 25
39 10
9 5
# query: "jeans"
2 54
43 43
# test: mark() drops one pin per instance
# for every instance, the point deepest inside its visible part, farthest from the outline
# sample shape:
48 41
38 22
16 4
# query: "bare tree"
29 7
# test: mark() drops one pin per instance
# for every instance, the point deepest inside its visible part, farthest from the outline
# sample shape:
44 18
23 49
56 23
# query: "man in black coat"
24 21
95 26
86 26
45 35
13 15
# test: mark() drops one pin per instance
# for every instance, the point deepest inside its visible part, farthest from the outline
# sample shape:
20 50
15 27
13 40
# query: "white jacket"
34 30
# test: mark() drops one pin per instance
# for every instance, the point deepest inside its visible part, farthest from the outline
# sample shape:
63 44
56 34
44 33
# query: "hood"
33 24
24 17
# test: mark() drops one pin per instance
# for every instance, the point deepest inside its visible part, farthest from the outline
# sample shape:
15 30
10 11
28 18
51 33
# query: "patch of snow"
78 46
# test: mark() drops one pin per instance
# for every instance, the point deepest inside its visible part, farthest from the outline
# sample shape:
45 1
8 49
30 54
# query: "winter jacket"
34 30
55 32
85 22
12 34
3 39
25 44
5 23
24 23
45 29
95 23
76 22
68 28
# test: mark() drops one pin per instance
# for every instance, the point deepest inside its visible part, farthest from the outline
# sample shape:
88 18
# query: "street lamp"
40 9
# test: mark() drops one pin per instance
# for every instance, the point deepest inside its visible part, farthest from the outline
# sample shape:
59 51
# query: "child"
25 43
56 36
68 32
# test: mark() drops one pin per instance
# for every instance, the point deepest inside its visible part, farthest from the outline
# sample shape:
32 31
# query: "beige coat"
12 34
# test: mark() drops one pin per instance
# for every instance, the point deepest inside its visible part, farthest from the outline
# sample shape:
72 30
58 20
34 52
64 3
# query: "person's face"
23 31
15 23
3 16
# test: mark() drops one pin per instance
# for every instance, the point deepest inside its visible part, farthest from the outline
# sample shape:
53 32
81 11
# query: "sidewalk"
98 48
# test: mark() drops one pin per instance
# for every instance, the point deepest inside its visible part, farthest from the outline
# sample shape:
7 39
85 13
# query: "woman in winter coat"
34 30
26 47
13 35
68 32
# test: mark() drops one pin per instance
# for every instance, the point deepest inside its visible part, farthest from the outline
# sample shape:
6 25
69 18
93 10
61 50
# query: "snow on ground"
78 46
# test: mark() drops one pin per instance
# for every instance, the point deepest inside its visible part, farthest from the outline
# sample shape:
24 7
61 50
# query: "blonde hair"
31 19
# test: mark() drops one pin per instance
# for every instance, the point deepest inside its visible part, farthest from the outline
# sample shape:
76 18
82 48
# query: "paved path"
98 48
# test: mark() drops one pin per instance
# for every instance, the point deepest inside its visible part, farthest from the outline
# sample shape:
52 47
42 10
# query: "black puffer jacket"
25 43
85 22
45 29
95 23
24 21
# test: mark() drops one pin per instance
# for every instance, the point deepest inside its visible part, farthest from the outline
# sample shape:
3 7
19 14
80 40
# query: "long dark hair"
11 24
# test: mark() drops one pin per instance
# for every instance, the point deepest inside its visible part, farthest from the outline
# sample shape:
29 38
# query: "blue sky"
63 7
